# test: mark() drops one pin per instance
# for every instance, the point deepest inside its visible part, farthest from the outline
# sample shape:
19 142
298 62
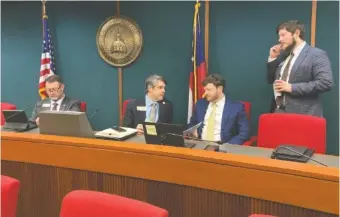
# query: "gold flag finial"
43 7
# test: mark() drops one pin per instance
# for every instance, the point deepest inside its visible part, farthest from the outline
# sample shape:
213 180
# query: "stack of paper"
113 134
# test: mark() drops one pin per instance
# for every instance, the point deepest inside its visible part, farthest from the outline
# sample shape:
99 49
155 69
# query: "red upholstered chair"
83 106
247 108
9 196
275 129
124 106
82 203
261 215
6 106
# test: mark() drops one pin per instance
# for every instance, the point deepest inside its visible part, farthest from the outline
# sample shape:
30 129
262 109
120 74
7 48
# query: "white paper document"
191 130
111 133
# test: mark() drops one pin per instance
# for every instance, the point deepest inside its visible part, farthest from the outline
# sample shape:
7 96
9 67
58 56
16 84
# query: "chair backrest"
247 108
83 203
9 196
83 106
124 106
6 106
294 129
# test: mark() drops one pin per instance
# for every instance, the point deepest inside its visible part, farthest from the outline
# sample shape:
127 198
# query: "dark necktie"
279 99
55 105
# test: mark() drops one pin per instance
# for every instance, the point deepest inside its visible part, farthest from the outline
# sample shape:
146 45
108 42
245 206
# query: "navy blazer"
235 125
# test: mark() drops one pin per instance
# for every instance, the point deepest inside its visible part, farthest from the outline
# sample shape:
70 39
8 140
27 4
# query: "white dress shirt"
296 52
59 101
218 119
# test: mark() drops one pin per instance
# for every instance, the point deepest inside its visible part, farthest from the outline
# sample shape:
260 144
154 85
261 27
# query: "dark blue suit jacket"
235 125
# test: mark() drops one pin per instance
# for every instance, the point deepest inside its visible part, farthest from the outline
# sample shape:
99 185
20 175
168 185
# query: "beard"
291 47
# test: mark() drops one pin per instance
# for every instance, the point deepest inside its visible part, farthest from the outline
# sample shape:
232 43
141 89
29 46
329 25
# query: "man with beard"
298 72
222 120
56 101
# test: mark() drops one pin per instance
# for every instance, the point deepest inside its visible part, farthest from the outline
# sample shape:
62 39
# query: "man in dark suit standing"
222 119
56 101
153 108
299 73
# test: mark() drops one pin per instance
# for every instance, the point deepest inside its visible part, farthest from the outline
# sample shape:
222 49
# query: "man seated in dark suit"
153 108
56 101
222 120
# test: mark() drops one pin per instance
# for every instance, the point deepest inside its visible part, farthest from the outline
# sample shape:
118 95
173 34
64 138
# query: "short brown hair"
291 26
216 79
54 78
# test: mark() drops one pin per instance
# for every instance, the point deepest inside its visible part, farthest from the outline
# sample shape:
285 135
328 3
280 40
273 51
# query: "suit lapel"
161 111
140 114
298 61
225 114
63 106
46 102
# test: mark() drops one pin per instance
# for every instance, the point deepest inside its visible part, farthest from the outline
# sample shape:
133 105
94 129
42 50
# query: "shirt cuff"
294 87
271 59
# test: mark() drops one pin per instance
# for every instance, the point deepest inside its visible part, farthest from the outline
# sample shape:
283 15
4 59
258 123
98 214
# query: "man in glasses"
56 101
152 108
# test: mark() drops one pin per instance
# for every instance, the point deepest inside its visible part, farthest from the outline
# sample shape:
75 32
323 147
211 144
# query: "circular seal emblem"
119 41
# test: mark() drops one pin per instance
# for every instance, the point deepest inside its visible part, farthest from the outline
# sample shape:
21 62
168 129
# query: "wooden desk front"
186 182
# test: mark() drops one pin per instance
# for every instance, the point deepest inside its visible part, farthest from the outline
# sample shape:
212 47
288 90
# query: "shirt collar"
59 101
220 102
148 101
298 49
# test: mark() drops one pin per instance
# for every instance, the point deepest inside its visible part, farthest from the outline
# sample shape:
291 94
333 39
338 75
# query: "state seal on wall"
119 41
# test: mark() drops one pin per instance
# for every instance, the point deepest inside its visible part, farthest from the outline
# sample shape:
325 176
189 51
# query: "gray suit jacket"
66 105
310 75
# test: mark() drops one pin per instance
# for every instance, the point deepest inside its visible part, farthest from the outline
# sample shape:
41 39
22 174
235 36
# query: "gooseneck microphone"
15 114
93 114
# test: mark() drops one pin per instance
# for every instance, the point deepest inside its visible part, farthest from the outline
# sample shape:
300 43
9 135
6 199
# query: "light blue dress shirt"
148 104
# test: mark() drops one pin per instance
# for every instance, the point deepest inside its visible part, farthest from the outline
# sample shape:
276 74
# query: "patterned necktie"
211 123
152 115
55 105
279 99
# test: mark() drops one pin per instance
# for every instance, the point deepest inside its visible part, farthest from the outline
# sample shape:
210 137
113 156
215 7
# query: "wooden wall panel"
43 187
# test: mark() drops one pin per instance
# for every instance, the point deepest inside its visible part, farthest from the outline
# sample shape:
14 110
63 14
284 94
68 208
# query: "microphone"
93 114
296 152
163 136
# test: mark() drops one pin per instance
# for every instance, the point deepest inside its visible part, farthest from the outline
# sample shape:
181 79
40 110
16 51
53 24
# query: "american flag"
47 66
196 90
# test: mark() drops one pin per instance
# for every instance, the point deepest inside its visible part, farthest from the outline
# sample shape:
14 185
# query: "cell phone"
119 129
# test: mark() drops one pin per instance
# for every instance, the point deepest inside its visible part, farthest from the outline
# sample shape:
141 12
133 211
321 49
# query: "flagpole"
120 81
313 23
206 35
43 12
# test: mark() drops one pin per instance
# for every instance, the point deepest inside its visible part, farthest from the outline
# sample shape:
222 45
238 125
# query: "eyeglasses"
52 90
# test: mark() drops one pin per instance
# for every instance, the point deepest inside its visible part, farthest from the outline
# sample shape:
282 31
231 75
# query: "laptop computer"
16 120
165 134
76 124
65 123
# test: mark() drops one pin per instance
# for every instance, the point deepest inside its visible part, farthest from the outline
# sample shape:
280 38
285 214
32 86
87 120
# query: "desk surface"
329 160
244 171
